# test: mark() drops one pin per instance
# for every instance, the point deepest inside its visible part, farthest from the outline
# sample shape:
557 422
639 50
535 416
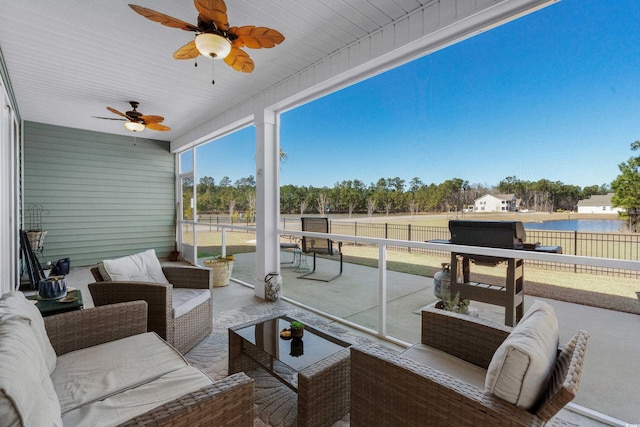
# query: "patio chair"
441 381
294 246
180 304
316 245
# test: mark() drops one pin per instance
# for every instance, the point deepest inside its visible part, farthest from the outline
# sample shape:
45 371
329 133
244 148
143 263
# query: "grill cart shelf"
510 296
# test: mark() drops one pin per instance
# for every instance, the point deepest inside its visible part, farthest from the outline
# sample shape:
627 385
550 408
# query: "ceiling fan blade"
256 37
213 10
158 126
114 111
151 119
188 51
165 20
239 60
110 118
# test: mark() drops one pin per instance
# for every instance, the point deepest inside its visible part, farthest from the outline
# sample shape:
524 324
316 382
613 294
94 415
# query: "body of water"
585 225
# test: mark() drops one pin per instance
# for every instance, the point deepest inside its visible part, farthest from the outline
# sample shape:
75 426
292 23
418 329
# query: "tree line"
387 195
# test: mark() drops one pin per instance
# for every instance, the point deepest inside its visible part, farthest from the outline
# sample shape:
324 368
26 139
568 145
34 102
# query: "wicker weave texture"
225 403
390 390
185 331
323 391
85 328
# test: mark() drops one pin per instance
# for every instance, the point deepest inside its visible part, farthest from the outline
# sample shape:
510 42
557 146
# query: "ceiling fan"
214 38
135 121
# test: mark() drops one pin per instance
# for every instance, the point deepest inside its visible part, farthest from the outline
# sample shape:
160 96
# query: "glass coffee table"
316 367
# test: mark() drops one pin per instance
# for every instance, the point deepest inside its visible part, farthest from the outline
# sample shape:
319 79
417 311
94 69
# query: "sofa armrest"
390 390
189 277
85 328
228 402
158 297
108 292
465 337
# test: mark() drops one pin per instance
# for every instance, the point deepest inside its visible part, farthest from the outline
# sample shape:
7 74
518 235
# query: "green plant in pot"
297 329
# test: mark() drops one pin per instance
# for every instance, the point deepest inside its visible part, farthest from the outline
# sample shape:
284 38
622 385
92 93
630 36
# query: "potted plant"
222 268
297 329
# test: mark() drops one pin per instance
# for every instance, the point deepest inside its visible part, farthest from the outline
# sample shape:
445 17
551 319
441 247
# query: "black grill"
490 234
493 234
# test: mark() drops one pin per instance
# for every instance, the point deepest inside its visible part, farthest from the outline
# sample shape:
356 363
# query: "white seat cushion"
445 362
27 396
16 305
186 299
136 401
520 369
142 267
94 373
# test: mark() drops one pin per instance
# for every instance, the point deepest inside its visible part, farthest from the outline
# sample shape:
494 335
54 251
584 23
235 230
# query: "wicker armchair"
227 402
388 389
183 332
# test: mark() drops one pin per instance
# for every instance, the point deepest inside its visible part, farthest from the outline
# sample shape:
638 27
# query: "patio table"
316 367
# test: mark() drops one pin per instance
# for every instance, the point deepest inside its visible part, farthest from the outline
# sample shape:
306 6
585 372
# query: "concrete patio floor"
609 383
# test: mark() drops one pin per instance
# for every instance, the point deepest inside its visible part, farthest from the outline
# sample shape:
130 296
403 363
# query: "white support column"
267 196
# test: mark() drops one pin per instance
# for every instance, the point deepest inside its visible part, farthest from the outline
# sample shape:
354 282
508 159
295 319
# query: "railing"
601 245
567 261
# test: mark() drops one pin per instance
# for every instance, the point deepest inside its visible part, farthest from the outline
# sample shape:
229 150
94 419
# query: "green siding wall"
108 195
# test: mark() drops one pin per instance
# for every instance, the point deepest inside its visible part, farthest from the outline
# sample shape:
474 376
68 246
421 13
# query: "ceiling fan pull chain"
213 72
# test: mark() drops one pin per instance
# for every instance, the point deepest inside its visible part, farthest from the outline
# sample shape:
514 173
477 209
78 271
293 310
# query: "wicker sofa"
99 367
393 389
180 300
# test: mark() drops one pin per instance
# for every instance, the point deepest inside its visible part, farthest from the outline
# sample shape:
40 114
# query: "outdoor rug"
276 404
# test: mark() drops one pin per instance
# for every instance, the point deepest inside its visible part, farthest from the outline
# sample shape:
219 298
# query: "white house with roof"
495 203
598 204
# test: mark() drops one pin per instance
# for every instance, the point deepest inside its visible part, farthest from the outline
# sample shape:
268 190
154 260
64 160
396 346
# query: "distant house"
495 203
598 204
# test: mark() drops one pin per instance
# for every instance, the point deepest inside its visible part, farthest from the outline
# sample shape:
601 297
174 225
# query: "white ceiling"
69 59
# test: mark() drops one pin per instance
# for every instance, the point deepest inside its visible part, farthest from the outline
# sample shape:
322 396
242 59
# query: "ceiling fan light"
134 126
213 45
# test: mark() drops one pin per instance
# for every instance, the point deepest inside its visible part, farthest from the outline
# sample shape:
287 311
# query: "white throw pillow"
141 267
520 369
27 397
14 305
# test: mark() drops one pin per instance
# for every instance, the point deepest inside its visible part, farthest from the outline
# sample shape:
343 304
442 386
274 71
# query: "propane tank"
442 282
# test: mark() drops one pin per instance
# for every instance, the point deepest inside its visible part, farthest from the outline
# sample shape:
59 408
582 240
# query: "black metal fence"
602 245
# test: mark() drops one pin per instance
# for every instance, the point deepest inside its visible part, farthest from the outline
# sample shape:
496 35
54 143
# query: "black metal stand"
31 263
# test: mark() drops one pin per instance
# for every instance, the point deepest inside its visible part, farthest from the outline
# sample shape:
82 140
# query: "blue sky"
553 95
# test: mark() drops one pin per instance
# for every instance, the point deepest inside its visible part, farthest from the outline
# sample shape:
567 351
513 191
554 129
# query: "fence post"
386 230
210 218
409 236
575 249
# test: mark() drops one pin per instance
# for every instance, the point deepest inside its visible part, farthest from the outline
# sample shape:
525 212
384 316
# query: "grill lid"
491 234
